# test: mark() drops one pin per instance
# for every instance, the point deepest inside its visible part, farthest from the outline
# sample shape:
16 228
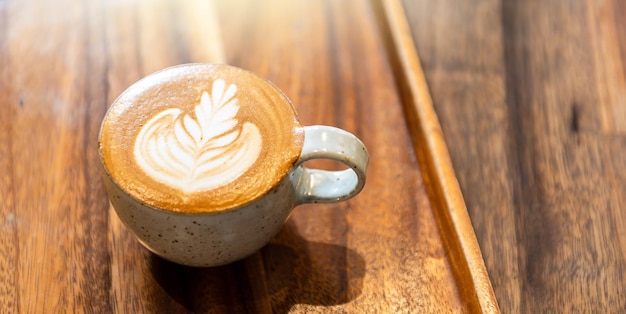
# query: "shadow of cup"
288 271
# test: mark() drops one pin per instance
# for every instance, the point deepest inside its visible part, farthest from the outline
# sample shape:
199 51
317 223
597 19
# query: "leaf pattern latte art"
194 154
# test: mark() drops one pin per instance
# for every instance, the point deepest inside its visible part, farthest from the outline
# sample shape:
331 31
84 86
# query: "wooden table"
529 95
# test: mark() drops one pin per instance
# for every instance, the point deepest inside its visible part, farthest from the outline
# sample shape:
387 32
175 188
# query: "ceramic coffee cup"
204 162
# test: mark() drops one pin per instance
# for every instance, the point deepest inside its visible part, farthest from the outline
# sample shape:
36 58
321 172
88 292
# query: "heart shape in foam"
202 153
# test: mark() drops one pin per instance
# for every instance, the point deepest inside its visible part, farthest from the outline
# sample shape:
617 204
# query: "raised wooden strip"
430 147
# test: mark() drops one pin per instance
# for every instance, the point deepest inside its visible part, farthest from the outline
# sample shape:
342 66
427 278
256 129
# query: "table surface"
528 94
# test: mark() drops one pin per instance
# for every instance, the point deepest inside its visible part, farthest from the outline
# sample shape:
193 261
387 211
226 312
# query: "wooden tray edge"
430 147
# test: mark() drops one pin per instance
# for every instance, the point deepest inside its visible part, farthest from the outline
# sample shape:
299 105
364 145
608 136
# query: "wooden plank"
430 146
461 49
528 95
9 299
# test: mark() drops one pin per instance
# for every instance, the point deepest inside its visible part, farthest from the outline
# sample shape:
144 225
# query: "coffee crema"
200 138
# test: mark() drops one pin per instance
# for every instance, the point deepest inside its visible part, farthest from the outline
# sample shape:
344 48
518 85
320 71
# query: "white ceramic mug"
224 236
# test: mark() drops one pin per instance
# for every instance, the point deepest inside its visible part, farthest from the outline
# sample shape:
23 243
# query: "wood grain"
430 147
529 98
63 249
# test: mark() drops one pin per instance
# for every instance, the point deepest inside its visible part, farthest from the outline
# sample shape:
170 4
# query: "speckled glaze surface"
208 239
217 238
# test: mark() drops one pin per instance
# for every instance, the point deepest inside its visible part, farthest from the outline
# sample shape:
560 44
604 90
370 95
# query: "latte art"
200 138
200 153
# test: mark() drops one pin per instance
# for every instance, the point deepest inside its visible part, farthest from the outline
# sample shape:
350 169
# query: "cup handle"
326 186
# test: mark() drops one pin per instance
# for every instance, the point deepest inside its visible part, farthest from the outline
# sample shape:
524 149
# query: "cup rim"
155 76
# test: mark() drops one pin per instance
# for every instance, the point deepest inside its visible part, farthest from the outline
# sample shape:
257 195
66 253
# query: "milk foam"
200 138
201 153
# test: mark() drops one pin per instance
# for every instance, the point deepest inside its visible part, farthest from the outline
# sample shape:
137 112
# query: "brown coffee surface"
200 138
